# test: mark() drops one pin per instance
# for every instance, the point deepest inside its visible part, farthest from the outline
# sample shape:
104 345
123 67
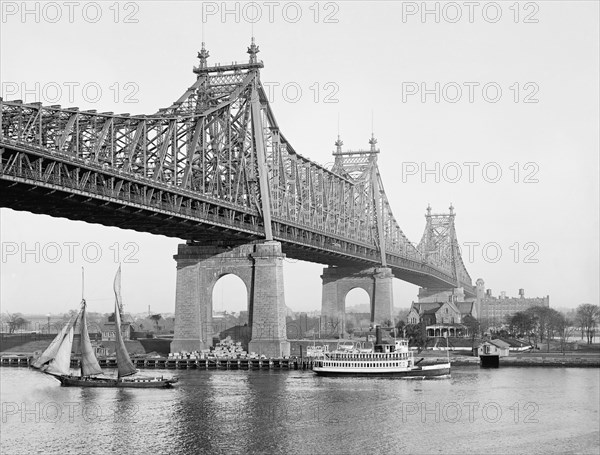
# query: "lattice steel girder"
203 154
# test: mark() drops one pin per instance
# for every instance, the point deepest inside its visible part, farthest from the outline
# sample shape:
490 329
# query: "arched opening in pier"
230 301
357 310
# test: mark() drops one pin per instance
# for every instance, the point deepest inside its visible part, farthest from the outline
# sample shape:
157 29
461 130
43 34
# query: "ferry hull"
73 381
417 372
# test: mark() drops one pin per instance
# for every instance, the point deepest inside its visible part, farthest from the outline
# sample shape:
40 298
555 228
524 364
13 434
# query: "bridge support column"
383 304
338 281
190 316
259 266
269 310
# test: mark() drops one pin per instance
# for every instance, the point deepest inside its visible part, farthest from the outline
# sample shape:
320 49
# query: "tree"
541 316
587 318
522 323
416 335
15 321
554 321
400 328
473 326
350 327
547 321
156 318
564 327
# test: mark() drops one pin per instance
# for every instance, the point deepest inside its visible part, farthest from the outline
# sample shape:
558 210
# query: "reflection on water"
509 410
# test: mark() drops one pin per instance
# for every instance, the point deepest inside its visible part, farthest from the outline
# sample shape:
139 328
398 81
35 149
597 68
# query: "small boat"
384 359
56 359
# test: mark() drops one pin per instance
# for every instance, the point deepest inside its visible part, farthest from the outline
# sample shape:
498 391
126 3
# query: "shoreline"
533 361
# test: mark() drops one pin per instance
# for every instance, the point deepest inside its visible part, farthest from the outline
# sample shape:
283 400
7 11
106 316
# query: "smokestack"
377 334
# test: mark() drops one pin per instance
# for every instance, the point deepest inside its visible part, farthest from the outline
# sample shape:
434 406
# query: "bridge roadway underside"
26 195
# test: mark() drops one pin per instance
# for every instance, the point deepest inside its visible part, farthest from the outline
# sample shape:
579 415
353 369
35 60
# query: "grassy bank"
552 359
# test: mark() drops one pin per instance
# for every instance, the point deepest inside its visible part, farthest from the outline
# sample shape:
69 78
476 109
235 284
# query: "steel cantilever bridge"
215 167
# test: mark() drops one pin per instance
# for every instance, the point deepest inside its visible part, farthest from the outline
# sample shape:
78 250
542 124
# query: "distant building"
494 310
109 329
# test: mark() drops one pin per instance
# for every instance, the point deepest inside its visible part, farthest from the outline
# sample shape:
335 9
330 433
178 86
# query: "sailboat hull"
137 383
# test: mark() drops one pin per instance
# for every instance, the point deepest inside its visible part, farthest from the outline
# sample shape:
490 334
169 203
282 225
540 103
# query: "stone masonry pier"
338 281
259 266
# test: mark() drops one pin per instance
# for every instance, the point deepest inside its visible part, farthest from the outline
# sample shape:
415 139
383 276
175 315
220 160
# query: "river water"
507 410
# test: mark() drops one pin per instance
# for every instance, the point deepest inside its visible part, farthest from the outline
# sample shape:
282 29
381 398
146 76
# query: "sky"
493 108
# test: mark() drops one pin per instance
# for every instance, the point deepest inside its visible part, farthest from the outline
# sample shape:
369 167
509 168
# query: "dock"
163 363
301 363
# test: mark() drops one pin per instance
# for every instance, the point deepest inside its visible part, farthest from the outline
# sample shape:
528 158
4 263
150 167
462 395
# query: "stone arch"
197 275
338 281
227 288
355 295
368 290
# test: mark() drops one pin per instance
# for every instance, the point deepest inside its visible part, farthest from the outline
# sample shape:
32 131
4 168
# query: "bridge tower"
259 264
360 167
439 246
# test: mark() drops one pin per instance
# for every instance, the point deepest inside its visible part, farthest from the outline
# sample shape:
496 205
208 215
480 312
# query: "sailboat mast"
81 331
83 318
124 365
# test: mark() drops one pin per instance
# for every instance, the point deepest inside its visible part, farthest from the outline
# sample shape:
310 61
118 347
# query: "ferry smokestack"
378 334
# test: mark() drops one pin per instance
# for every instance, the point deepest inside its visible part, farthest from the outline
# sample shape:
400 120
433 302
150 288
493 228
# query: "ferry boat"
384 359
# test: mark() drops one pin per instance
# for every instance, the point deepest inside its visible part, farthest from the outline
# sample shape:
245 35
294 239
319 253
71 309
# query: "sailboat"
56 359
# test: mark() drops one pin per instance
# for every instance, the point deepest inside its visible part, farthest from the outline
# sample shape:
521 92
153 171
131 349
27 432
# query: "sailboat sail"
124 365
52 349
89 363
62 360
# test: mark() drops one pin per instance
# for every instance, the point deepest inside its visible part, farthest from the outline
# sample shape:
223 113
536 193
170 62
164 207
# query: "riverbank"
551 359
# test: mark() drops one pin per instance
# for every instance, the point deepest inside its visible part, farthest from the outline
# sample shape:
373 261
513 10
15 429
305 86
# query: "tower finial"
451 209
373 141
338 144
428 210
253 50
203 55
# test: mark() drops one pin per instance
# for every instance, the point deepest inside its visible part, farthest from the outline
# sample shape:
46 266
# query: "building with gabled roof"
493 347
442 312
